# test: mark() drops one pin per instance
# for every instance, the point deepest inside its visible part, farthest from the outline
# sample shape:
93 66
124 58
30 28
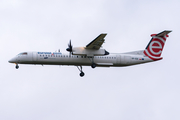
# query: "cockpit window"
24 53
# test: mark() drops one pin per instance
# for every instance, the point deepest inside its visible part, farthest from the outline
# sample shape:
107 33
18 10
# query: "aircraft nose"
13 60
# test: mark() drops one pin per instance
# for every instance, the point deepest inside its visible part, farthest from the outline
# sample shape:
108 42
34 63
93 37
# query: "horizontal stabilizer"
164 33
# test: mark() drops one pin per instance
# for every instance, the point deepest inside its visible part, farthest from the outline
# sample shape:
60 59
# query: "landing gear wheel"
93 65
17 67
81 74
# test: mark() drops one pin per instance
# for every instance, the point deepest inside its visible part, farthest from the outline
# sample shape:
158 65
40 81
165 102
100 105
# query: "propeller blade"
69 49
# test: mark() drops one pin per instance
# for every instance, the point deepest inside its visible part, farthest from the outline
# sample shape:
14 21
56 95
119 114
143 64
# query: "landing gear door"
34 56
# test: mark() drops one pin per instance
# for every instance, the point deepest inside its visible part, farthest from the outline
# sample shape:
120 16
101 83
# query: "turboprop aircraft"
93 55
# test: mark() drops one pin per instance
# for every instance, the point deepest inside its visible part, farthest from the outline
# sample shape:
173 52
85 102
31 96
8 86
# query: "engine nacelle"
89 52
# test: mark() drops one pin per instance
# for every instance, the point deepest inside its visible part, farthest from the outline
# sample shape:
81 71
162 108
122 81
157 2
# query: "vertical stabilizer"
156 45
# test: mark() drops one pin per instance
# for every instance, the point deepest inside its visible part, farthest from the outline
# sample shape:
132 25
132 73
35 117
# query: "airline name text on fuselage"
48 53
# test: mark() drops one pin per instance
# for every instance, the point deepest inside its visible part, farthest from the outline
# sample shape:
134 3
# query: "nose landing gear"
17 66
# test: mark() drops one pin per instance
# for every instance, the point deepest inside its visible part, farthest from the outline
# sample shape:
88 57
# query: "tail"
156 45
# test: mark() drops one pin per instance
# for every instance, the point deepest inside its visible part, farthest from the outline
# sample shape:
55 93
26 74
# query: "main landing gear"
81 72
93 65
17 66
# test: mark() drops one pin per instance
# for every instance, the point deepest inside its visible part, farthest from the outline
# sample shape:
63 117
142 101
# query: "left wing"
97 42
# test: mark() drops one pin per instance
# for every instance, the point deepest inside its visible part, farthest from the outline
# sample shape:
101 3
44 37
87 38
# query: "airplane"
93 55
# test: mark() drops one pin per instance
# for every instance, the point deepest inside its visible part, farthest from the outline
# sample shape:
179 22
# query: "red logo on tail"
155 47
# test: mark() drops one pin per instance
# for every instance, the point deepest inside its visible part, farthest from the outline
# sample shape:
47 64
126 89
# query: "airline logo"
155 47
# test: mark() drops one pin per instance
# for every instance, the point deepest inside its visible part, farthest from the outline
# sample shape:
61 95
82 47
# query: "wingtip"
103 33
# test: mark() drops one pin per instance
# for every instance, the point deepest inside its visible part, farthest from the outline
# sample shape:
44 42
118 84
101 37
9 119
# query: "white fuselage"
57 58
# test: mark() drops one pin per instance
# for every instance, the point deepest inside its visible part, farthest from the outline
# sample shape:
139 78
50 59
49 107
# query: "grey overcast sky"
142 92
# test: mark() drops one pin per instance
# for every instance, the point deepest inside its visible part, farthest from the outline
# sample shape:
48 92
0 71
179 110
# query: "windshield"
24 53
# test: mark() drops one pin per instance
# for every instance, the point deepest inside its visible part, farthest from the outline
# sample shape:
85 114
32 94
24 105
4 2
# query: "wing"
97 42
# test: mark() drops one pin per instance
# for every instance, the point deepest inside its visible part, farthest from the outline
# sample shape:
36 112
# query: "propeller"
69 49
